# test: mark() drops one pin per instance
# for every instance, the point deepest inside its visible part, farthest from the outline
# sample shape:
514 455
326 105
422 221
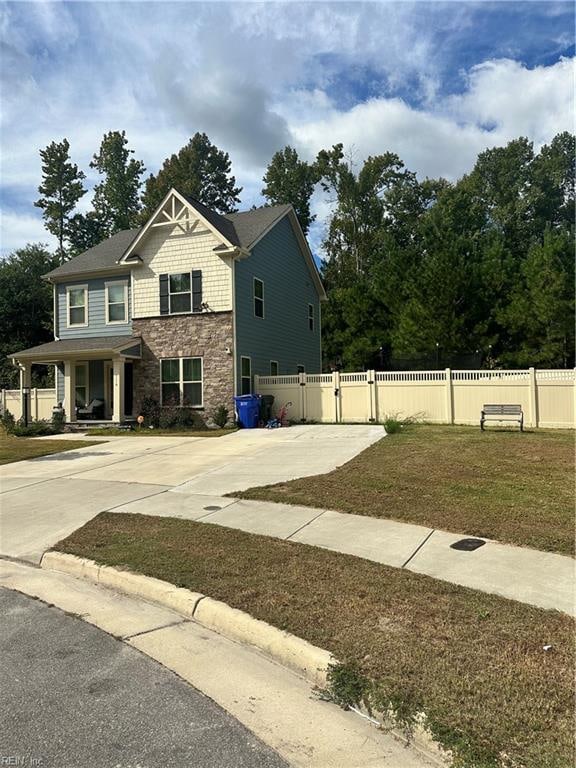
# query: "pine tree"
291 180
60 191
116 198
199 170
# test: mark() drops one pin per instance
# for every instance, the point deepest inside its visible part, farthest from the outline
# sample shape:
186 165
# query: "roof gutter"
92 272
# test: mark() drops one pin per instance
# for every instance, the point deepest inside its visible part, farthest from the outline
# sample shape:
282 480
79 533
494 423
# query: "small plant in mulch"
220 416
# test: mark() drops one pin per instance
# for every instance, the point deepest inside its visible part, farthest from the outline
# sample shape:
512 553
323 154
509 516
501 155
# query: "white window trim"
311 317
180 293
254 298
76 288
180 381
115 283
85 364
244 357
277 368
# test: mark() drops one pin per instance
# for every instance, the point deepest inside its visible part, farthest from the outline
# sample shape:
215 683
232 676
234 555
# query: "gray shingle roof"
249 225
240 229
101 256
67 346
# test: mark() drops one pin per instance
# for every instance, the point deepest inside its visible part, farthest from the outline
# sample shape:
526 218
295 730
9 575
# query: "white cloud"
444 141
254 77
19 229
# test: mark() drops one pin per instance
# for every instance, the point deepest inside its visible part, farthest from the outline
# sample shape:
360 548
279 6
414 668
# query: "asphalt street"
72 696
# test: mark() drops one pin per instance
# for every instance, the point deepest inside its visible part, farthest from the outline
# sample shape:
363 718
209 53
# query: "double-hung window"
311 316
258 298
77 304
116 302
180 293
181 381
273 368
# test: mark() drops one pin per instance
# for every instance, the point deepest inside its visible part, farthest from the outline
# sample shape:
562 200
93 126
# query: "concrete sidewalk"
529 576
43 500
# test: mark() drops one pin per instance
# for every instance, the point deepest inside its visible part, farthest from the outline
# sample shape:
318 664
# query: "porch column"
118 383
70 389
25 381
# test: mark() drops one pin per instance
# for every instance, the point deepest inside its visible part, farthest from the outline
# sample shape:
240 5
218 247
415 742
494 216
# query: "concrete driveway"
43 500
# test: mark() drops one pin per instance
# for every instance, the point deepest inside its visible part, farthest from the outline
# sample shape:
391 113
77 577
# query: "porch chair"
94 410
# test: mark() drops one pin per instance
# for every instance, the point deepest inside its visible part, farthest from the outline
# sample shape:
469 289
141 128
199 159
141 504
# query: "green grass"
500 484
113 432
474 663
20 448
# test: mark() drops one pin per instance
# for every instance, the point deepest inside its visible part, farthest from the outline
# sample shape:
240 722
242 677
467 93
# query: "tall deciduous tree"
360 206
60 191
116 198
199 170
291 180
25 304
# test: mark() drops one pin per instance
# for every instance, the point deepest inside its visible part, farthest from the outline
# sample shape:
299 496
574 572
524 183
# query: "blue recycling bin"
247 410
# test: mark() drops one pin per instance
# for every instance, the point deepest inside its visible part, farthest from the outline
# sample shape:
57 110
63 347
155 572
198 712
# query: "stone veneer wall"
206 335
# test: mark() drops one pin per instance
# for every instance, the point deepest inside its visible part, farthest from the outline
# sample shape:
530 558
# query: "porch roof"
54 351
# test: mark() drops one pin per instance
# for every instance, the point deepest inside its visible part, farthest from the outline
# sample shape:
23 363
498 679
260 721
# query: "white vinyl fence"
40 404
547 397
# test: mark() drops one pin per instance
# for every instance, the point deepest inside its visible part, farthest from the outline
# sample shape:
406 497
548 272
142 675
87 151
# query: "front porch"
94 381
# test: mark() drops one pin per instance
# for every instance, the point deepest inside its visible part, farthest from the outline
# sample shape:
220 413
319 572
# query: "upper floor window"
273 368
258 298
116 303
311 316
300 369
181 293
77 303
181 379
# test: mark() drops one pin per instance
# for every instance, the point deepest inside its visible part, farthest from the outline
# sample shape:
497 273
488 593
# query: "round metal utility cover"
212 509
467 545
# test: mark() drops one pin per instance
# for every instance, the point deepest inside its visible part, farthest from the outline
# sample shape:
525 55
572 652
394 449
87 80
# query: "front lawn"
500 484
19 448
475 663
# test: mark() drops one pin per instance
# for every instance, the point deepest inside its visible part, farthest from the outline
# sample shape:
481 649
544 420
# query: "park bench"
502 412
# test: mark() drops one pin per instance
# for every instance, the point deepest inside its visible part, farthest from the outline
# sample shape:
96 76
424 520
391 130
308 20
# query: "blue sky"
435 82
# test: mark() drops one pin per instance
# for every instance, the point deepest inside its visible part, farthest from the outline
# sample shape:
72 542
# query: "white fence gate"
547 397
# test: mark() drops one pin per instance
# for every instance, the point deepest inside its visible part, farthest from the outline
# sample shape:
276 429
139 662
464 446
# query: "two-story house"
185 310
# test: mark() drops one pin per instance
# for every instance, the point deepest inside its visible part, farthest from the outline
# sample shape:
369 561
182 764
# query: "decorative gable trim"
174 210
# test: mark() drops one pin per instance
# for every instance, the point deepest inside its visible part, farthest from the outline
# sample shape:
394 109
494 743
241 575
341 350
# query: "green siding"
283 333
96 310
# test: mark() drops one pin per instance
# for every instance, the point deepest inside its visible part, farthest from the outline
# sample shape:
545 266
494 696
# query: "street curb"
293 652
290 651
